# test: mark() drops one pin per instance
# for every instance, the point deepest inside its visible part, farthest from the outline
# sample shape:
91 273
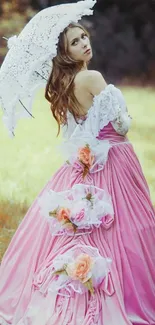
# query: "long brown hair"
60 86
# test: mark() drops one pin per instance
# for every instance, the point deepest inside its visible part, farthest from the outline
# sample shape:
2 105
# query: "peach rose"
81 268
84 155
63 214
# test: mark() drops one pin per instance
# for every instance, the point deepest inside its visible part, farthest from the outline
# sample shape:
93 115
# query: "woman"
40 281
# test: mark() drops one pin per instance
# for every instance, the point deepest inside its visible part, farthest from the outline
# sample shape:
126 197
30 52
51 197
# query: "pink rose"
81 268
107 221
79 216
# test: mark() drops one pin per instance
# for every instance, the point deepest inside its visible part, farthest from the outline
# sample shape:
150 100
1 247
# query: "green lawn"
30 159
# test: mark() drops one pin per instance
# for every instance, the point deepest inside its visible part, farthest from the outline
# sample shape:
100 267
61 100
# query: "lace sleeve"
122 122
108 106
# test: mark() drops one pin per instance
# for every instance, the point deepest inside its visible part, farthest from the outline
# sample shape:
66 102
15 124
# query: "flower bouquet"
77 209
80 269
91 152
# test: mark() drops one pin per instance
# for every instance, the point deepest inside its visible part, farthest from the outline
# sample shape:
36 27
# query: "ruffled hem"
78 210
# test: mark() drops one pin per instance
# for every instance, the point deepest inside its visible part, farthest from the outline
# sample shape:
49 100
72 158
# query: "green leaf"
67 161
53 213
89 286
60 272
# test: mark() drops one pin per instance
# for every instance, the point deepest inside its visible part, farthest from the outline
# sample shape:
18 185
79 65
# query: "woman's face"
79 47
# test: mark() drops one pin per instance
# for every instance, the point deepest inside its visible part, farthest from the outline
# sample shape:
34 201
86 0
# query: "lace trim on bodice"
108 106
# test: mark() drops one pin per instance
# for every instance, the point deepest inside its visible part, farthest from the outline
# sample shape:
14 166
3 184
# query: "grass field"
30 159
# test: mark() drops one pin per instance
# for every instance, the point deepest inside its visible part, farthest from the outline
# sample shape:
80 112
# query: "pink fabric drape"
129 242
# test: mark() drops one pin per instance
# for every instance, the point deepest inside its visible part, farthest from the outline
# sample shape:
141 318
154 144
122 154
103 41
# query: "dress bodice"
108 106
109 133
106 124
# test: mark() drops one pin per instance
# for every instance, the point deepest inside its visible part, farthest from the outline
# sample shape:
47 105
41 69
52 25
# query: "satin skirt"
129 296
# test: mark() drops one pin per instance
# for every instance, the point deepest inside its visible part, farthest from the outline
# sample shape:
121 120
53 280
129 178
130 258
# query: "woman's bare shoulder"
92 80
91 74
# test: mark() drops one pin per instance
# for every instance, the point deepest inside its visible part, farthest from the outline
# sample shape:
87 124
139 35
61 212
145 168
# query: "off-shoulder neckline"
95 97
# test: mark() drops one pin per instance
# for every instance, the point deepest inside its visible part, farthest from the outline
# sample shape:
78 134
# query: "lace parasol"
28 63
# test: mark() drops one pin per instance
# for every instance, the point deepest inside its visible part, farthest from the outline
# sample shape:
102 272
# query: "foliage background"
122 35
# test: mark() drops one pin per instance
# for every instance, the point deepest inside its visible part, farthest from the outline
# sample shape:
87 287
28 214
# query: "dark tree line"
123 36
127 28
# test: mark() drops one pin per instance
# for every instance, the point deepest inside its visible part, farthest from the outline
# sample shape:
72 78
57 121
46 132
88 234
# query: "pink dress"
107 242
